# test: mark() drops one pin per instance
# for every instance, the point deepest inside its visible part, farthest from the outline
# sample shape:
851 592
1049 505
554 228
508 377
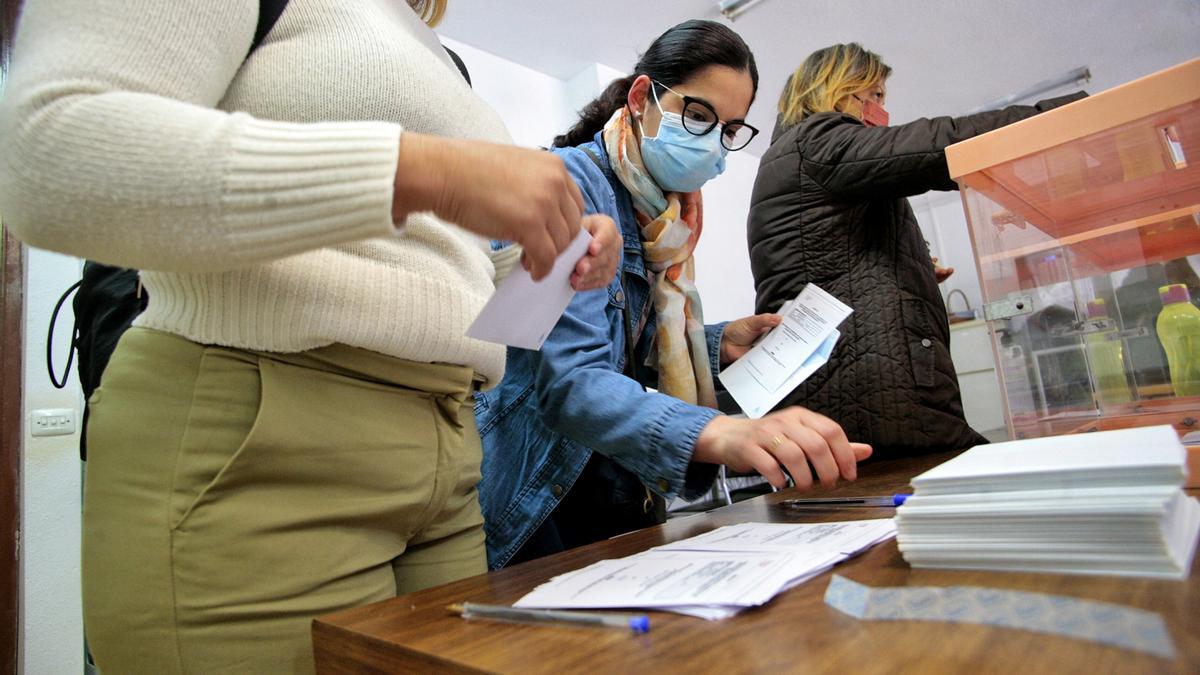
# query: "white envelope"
522 312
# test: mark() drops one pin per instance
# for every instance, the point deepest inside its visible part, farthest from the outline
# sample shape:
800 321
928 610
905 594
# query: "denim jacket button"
620 296
556 490
927 343
663 485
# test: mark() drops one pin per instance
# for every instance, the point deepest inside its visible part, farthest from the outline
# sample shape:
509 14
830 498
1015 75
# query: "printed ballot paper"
716 574
522 312
843 538
789 354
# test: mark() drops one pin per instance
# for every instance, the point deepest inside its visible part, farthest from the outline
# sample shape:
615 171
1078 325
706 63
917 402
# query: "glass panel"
1083 236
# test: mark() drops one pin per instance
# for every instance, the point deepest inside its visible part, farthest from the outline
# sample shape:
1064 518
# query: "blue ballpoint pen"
638 623
818 502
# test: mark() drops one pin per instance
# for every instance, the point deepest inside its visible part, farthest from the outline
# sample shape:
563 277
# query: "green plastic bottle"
1105 351
1179 331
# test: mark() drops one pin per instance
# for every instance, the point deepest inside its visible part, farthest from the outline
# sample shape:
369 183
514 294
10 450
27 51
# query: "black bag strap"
59 384
268 14
595 158
458 63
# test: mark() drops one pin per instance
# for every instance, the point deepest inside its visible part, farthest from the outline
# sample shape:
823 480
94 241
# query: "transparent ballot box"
1085 224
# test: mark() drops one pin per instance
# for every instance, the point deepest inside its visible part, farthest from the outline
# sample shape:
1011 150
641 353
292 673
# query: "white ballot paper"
716 574
847 537
789 354
718 612
522 312
665 579
842 540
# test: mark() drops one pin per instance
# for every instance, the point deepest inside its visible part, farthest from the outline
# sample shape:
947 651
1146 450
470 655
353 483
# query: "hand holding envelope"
522 312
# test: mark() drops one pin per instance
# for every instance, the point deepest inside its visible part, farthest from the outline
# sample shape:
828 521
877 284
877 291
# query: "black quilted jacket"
829 207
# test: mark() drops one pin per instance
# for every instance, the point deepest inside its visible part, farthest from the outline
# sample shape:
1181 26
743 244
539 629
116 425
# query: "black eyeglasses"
699 118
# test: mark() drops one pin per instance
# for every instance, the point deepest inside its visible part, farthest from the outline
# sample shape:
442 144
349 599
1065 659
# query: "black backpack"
108 299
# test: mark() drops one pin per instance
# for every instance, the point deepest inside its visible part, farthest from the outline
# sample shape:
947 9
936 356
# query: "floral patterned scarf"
670 226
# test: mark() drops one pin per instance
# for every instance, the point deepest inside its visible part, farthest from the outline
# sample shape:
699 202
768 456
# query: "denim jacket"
556 406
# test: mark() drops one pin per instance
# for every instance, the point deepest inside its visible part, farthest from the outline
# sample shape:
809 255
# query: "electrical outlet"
52 422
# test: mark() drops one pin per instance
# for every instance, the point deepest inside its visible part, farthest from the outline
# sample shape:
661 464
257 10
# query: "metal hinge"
1008 308
1085 327
1105 327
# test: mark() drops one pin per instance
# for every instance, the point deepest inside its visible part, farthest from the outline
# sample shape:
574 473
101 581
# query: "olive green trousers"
232 496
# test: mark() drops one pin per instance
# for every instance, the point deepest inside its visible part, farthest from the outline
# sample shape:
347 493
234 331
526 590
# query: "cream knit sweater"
255 194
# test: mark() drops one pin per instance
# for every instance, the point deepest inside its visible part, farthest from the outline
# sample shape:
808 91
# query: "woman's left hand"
597 268
740 335
941 273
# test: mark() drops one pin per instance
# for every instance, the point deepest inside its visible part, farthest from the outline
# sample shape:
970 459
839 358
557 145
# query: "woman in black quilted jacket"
829 207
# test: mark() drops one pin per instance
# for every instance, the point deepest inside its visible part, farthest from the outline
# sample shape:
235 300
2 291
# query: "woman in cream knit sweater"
288 428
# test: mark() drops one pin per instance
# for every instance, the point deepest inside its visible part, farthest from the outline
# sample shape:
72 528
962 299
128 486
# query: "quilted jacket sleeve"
858 162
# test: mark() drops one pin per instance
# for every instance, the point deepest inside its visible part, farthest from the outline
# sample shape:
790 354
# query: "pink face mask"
873 114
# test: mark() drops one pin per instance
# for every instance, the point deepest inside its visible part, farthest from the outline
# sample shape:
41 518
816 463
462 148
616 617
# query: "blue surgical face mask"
678 160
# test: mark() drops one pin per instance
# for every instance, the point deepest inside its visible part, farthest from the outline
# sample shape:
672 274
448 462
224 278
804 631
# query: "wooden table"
794 632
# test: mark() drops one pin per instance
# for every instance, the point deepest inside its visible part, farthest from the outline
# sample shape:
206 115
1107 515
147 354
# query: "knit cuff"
290 188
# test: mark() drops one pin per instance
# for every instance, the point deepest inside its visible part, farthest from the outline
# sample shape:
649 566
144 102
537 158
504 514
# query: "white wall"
50 613
533 105
944 224
52 632
723 275
586 85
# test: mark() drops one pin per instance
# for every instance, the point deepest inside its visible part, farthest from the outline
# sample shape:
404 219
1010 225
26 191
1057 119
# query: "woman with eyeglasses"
575 447
830 206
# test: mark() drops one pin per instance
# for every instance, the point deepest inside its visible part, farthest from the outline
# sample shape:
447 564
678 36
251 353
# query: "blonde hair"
827 77
430 11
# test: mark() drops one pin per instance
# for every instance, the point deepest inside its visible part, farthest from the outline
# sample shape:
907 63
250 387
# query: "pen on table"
638 623
818 502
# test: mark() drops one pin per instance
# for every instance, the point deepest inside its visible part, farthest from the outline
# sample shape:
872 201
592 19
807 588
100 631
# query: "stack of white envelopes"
1096 503
716 574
